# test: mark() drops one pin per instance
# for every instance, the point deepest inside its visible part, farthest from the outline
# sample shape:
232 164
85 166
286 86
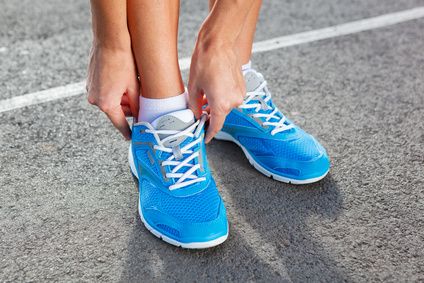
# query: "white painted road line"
339 30
42 96
262 46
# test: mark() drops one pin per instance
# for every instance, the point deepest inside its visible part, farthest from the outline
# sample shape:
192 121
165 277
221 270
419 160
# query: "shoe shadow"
271 238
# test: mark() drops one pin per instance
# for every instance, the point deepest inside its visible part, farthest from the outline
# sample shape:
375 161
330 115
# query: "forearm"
225 22
109 22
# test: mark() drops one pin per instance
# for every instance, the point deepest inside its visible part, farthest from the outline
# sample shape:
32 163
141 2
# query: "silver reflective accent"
162 170
152 160
259 121
140 170
149 144
200 159
174 142
176 151
264 106
143 143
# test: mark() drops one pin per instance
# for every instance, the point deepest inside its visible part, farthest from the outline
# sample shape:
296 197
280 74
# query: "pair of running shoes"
178 198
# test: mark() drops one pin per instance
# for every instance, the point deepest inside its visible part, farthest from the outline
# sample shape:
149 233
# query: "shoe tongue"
177 121
253 80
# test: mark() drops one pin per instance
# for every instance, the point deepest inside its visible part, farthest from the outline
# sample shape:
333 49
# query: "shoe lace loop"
262 95
181 157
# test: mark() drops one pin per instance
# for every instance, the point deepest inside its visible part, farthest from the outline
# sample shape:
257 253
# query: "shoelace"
186 178
263 96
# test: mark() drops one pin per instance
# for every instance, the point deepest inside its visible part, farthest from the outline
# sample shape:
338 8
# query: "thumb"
215 124
117 117
195 101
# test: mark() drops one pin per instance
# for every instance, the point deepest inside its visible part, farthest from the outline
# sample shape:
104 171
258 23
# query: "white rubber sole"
227 137
191 245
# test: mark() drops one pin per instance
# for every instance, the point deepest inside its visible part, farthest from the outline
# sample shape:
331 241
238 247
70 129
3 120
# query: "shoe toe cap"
187 232
197 218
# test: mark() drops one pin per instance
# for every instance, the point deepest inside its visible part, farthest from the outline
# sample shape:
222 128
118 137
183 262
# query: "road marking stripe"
339 30
42 96
262 46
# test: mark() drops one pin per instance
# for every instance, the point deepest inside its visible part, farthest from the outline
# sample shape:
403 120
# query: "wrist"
119 40
109 25
225 22
213 39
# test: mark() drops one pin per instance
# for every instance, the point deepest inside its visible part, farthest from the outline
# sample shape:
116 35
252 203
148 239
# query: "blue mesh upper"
186 209
257 146
289 171
142 155
235 119
302 149
169 229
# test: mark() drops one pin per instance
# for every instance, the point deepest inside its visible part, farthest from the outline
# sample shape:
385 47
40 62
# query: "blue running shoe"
179 201
272 143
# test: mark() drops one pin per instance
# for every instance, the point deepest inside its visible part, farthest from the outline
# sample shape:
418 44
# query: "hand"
112 85
216 73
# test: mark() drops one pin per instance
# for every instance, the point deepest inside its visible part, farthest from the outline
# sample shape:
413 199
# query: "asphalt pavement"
68 203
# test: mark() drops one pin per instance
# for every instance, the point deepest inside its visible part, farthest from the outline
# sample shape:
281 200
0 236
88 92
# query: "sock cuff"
164 103
151 108
246 66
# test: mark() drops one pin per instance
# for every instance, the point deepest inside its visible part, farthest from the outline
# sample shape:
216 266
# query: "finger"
125 105
205 104
195 98
127 110
195 104
133 97
125 100
215 125
204 100
117 117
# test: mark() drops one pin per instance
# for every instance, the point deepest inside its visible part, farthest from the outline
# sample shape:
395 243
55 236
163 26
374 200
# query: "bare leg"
153 27
245 39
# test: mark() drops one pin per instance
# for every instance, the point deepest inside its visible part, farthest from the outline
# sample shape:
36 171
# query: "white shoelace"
186 178
263 95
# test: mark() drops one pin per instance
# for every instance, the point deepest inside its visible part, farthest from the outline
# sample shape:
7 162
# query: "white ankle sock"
151 108
246 66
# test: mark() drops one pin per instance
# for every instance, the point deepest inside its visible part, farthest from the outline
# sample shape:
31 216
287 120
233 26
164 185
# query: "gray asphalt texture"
68 203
